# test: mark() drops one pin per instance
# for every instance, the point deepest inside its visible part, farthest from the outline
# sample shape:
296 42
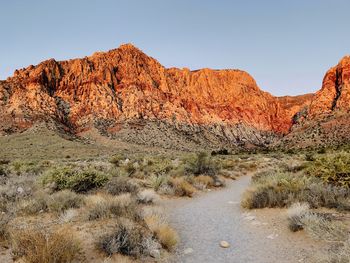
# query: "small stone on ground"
224 244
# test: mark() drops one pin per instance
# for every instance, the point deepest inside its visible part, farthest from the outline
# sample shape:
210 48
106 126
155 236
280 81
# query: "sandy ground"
256 236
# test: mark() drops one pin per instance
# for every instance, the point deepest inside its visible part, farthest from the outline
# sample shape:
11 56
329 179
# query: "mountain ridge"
108 90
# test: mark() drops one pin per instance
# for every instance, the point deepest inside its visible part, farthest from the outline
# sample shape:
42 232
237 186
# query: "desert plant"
296 214
167 236
124 205
201 163
119 185
33 205
60 201
283 189
147 196
117 159
157 181
203 181
4 220
181 186
74 179
321 228
126 238
34 246
332 168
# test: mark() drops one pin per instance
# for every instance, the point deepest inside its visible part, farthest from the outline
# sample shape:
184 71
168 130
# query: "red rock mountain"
326 121
131 96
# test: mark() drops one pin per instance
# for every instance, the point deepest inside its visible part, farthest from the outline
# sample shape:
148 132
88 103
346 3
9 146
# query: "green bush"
201 163
74 179
283 189
332 168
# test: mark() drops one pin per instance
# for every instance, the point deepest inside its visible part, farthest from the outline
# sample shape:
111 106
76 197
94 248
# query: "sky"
287 46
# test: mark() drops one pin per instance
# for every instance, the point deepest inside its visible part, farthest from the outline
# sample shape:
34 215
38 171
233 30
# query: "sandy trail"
258 236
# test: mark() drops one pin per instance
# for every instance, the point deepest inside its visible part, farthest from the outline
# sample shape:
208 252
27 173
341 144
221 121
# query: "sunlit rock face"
110 89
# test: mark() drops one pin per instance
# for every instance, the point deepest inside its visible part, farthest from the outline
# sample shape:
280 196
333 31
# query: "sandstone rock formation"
326 121
335 92
108 90
130 96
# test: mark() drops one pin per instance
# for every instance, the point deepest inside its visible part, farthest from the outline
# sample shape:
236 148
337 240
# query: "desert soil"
255 236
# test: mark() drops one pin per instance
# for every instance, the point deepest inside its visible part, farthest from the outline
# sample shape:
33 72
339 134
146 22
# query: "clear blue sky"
285 45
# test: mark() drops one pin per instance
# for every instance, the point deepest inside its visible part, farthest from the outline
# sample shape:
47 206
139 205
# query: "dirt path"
258 236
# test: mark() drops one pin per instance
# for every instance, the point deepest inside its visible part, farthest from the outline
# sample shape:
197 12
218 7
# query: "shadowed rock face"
122 91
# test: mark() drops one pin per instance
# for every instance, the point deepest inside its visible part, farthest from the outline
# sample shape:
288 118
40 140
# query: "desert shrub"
24 167
322 228
147 196
35 246
81 180
201 163
99 207
283 189
119 185
220 152
181 186
339 254
4 220
203 181
3 171
61 201
157 181
167 236
33 205
117 159
126 238
296 214
332 168
4 161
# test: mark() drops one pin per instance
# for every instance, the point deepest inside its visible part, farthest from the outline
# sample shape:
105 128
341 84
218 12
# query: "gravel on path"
209 218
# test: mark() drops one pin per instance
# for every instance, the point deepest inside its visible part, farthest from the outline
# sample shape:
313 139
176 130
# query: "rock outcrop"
109 89
335 92
130 96
326 121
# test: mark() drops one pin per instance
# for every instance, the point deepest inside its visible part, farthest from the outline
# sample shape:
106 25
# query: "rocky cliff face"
130 96
326 121
335 92
109 90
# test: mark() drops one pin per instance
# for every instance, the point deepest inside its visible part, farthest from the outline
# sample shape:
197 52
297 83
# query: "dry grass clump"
340 254
120 185
296 213
322 228
61 201
167 236
105 206
33 205
4 230
126 238
147 197
203 181
181 187
283 189
39 246
163 232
